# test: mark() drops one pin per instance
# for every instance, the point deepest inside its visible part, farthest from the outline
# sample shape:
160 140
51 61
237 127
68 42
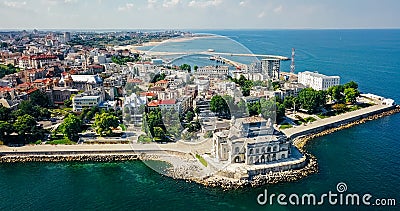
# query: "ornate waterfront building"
250 140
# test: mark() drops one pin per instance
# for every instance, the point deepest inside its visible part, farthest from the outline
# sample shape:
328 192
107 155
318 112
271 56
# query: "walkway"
349 116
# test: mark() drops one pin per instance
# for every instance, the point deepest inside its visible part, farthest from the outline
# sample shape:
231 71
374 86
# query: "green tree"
254 108
219 105
280 111
186 67
4 113
189 116
6 129
159 133
25 124
311 100
336 93
268 108
351 84
40 99
158 77
68 102
351 95
289 101
71 126
105 122
197 110
195 68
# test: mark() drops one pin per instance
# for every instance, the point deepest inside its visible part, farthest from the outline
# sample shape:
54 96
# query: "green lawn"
123 127
309 119
201 159
144 139
322 116
285 126
61 141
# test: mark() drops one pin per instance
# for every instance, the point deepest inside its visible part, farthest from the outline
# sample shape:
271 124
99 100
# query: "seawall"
301 138
340 120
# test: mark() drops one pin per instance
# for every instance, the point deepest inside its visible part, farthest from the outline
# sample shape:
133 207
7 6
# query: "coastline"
300 142
155 43
187 166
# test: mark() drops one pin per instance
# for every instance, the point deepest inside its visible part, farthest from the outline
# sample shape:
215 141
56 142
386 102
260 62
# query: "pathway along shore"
120 153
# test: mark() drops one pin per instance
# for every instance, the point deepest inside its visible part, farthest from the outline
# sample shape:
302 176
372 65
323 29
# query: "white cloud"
278 9
170 3
14 4
261 15
151 3
243 3
203 4
127 6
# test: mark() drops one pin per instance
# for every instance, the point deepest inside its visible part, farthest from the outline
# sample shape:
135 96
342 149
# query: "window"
251 151
236 149
257 151
269 149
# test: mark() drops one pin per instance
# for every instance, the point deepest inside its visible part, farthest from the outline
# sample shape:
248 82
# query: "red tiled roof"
43 56
31 90
162 82
135 80
156 88
24 58
153 103
45 80
167 102
6 89
148 94
26 84
96 66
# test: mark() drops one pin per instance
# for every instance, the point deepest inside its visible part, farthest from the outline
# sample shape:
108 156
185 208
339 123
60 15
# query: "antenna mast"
292 66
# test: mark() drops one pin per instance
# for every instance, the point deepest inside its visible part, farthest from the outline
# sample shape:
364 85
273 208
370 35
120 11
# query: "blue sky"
198 14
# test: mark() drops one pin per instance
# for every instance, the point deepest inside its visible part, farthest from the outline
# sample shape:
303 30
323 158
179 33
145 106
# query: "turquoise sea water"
365 157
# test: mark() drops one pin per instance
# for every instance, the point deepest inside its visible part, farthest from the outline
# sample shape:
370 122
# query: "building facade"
252 141
318 81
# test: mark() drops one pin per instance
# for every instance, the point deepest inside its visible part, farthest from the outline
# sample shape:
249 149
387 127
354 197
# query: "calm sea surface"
365 157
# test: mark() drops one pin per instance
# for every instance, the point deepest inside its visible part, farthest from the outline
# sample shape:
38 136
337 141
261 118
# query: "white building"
318 81
271 67
213 71
87 100
251 141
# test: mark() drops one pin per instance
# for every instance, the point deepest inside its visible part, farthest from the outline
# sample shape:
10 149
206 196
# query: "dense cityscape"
68 88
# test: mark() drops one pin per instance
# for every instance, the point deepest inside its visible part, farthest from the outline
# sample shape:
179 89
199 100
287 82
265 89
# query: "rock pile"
67 158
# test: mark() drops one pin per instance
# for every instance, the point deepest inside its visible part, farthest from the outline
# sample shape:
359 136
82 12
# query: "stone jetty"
75 158
300 142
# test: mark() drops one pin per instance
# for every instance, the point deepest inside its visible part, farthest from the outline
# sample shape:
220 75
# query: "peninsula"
75 97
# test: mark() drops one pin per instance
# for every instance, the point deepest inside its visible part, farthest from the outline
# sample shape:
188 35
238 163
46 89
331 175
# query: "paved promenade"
349 116
178 147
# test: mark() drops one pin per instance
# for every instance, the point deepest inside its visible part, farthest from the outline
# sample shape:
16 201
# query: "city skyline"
198 14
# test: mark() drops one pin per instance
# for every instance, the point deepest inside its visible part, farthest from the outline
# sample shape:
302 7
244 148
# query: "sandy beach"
155 43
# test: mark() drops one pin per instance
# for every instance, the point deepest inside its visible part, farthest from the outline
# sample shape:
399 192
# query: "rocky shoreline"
259 180
75 158
291 175
185 171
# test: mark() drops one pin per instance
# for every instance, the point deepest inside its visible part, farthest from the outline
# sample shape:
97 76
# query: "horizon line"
188 29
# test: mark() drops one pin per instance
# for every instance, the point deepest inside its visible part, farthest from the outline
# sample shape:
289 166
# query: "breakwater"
300 141
259 180
68 158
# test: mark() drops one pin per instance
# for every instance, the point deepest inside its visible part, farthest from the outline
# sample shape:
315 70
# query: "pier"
210 53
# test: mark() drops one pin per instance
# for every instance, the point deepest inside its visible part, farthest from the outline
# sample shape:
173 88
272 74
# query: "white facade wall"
318 81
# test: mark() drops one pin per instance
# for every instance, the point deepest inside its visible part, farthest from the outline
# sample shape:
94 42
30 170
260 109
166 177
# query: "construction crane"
292 66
